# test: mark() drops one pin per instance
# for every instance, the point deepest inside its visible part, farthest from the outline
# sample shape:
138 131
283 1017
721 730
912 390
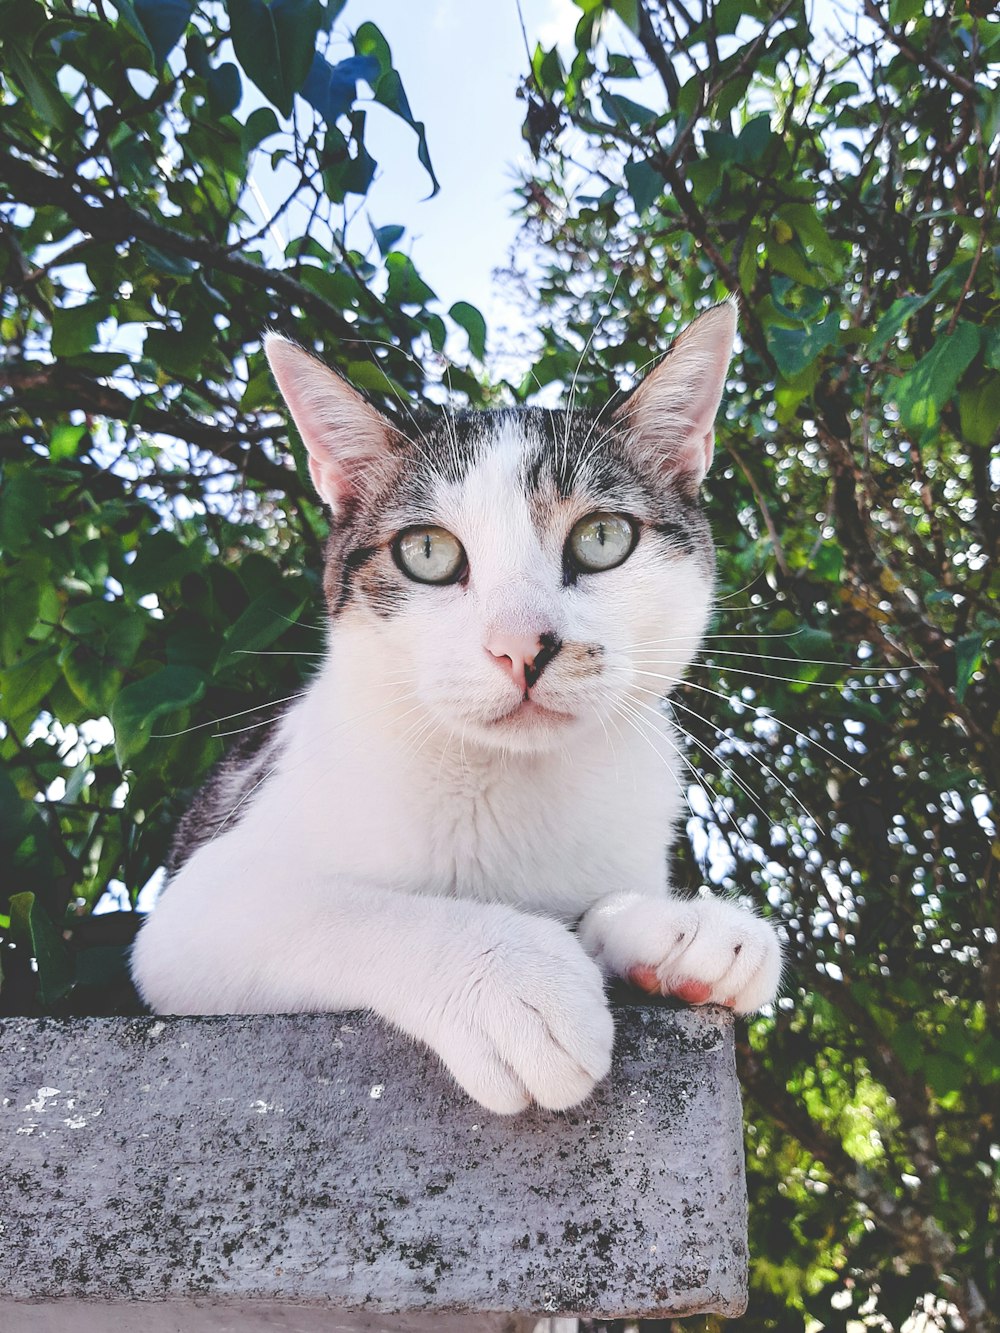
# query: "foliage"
845 712
158 540
146 481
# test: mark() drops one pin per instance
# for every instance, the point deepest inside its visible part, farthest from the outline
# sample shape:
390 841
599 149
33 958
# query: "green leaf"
901 11
754 140
20 599
260 125
140 704
275 43
623 111
74 328
175 266
23 502
45 97
979 412
102 965
628 12
900 311
388 90
105 637
810 232
406 286
796 349
372 377
225 89
161 561
64 441
944 1074
265 619
470 319
968 659
29 922
929 386
26 682
129 19
164 23
645 184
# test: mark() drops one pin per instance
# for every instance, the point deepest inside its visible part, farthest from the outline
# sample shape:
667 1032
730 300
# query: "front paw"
531 1023
703 950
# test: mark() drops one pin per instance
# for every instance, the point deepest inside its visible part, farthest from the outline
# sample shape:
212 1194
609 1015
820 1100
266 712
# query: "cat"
464 824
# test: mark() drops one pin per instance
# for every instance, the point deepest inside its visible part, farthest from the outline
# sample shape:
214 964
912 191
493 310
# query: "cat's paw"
703 950
530 1022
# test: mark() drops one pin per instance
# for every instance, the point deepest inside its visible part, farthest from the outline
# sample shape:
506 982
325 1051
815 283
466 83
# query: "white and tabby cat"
464 824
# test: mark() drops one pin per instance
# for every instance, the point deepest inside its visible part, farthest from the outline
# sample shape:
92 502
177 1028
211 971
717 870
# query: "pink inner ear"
672 412
331 483
345 437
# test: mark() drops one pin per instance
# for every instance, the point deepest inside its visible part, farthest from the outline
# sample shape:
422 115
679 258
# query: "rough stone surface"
207 1316
321 1161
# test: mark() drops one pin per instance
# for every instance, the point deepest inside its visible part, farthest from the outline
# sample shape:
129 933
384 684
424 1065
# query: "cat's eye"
601 541
430 555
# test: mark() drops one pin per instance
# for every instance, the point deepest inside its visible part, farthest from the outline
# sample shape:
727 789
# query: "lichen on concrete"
322 1160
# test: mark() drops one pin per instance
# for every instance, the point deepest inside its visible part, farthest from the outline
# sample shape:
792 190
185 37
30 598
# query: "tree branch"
114 220
61 389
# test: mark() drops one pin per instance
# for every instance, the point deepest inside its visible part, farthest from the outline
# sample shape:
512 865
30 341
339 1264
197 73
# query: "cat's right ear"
346 438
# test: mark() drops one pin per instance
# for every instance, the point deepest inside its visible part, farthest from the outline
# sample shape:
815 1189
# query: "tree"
844 717
146 477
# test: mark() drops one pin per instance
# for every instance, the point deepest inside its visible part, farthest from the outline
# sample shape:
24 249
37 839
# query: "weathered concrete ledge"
276 1166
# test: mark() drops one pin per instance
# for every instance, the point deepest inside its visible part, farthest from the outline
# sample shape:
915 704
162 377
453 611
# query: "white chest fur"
362 791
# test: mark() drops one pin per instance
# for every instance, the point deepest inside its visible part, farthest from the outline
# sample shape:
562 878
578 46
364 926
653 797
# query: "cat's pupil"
427 545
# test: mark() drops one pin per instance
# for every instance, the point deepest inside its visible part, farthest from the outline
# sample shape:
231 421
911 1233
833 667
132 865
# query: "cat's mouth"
529 713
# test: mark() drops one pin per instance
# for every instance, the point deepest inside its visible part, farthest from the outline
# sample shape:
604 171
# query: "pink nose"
523 656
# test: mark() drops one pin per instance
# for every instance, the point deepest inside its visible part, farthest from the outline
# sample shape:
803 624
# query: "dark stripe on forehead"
348 569
676 534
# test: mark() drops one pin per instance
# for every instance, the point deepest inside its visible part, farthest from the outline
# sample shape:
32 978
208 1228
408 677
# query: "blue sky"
460 63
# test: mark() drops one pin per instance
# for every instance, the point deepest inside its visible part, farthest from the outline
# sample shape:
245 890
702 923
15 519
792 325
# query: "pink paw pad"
692 992
645 978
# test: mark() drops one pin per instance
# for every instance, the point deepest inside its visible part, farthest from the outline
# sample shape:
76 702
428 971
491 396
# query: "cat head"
520 574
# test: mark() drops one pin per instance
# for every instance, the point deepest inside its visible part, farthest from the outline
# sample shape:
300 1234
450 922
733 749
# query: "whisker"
765 768
757 712
782 680
728 634
798 661
721 813
278 652
712 754
215 721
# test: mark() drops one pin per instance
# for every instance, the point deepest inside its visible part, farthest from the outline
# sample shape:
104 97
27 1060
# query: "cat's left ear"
347 440
670 417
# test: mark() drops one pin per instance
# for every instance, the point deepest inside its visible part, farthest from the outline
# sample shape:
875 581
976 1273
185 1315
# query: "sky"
460 64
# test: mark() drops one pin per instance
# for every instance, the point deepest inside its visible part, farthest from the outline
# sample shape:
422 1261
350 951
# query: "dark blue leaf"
164 22
331 89
225 88
386 237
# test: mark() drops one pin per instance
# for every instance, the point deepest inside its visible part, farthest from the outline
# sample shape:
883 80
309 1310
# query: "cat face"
512 571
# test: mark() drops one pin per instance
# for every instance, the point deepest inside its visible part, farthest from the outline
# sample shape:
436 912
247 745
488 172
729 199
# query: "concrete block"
267 1171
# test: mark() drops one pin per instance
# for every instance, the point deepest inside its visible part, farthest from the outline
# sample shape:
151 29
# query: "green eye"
430 555
601 541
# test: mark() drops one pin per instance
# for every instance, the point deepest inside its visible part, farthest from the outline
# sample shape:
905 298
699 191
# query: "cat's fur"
464 824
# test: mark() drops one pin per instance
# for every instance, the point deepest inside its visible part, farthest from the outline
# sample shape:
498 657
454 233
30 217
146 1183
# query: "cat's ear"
347 440
670 417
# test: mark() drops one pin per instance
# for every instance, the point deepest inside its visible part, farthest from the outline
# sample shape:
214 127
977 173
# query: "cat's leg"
703 950
510 1002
